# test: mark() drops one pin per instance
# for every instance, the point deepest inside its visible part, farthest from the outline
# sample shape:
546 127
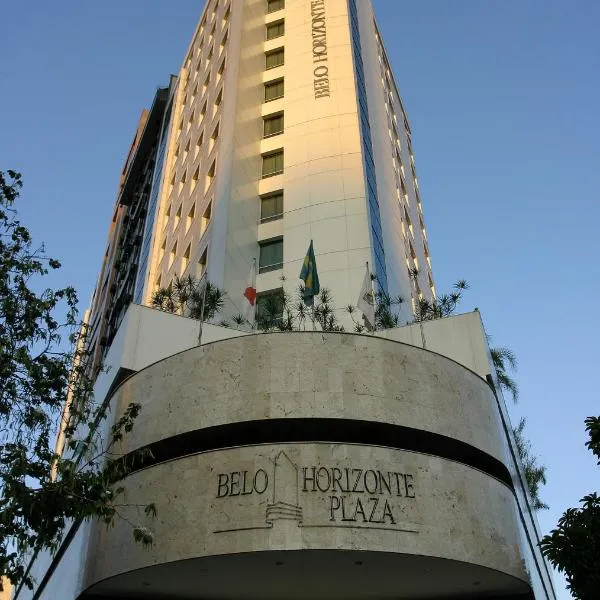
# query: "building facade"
116 283
287 127
306 464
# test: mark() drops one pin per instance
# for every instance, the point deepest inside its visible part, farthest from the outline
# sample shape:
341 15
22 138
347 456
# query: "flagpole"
374 300
202 304
253 307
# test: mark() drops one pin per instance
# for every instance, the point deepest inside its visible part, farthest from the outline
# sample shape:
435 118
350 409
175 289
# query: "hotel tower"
303 464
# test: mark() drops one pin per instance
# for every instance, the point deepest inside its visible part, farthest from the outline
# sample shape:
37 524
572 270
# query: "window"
214 137
202 263
271 207
273 125
178 216
271 255
272 163
210 175
275 30
185 261
269 308
224 40
199 142
273 90
195 178
172 255
206 219
190 217
274 58
182 182
273 5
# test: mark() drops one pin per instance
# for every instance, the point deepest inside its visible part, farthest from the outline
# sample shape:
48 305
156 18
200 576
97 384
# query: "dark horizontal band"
341 431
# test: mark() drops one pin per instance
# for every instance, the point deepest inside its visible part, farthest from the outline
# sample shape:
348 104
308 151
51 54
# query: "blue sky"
503 102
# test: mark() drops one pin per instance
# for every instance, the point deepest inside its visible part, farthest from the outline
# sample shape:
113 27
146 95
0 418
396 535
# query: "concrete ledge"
411 509
311 375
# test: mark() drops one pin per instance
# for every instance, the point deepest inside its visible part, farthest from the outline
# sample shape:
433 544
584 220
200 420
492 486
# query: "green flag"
310 276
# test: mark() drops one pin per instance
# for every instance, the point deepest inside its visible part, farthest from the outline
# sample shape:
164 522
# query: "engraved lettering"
374 488
358 473
375 503
223 488
246 491
387 512
383 483
334 504
234 478
319 479
399 488
336 477
260 474
307 479
359 510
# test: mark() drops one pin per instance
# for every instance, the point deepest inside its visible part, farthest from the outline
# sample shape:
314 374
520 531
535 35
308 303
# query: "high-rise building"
287 127
125 251
304 464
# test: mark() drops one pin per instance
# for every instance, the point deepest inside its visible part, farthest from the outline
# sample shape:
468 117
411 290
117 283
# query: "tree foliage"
288 312
535 474
41 491
441 306
505 359
189 297
574 546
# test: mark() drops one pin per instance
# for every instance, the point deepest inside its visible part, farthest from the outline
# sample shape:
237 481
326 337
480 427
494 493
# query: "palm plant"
186 296
535 475
503 359
441 306
285 312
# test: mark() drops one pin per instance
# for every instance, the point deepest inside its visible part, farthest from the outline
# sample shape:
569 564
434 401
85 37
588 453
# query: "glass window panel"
274 58
273 125
269 308
273 5
272 163
273 90
271 207
271 256
275 30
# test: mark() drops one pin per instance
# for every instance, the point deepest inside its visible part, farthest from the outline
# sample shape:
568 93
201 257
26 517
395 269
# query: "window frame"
278 24
274 320
280 5
272 84
274 266
266 155
270 119
275 52
276 215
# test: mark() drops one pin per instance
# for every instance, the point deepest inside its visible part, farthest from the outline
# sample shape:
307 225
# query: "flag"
250 292
310 277
366 300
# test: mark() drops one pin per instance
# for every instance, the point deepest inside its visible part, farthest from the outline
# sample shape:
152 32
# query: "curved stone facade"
354 458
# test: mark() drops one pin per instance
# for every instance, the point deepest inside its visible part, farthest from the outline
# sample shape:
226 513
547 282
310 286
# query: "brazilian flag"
310 277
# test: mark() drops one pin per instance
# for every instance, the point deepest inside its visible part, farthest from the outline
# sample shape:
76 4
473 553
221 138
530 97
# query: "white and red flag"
250 293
